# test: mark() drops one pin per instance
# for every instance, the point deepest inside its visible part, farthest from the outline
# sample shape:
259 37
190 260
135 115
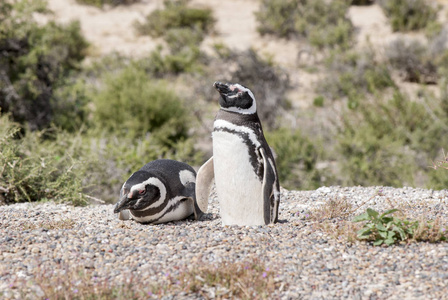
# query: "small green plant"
407 15
319 101
384 228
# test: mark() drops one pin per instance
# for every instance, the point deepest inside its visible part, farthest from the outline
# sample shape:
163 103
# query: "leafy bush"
183 29
353 75
407 15
71 167
413 59
131 104
33 168
162 64
323 24
278 17
34 60
177 15
101 3
296 159
386 142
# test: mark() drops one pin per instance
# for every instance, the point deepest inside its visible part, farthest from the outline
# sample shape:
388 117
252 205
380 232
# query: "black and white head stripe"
161 191
143 186
236 98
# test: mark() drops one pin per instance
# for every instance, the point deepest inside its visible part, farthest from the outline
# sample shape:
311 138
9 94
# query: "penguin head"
236 98
140 191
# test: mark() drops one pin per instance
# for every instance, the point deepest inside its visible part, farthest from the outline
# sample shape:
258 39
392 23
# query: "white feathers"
186 176
244 111
238 187
204 183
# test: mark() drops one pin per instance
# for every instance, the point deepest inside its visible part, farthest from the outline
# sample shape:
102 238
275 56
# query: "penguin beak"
222 88
122 204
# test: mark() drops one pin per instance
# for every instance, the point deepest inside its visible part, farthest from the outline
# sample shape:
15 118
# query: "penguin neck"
237 118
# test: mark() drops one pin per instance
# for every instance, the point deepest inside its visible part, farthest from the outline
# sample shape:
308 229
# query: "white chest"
238 187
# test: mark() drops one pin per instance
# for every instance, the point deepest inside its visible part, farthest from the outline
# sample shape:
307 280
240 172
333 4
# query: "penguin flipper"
204 181
190 192
269 179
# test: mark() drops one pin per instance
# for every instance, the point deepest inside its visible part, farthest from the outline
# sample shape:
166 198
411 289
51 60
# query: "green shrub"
69 103
323 24
368 160
388 142
352 75
413 59
70 167
34 169
407 15
34 60
101 3
326 24
278 17
134 105
177 14
296 159
183 29
161 64
435 140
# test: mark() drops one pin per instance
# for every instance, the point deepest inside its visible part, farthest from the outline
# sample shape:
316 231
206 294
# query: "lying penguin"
242 165
161 191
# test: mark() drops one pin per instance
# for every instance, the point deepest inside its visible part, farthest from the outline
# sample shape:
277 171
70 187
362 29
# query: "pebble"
308 262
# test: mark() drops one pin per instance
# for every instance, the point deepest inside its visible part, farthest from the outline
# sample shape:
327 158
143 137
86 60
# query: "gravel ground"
46 242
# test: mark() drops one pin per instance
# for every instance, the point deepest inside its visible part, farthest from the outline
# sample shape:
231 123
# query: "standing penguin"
161 191
242 164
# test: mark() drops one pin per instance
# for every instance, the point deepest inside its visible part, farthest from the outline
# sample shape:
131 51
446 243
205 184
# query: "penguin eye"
142 192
